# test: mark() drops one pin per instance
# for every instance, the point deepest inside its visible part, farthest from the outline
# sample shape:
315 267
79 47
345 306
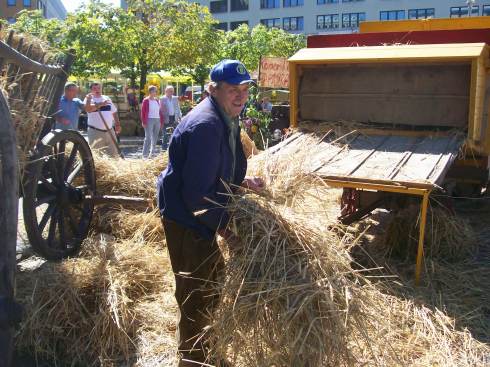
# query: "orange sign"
274 72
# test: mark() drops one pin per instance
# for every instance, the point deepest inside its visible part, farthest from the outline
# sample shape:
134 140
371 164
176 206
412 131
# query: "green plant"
256 125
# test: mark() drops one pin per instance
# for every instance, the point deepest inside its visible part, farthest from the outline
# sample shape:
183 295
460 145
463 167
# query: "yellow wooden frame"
476 54
434 24
400 189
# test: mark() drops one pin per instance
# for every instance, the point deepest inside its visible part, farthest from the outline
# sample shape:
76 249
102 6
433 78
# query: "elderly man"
170 107
102 121
205 155
69 109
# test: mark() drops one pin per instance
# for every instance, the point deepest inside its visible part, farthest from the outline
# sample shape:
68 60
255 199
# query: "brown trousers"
196 263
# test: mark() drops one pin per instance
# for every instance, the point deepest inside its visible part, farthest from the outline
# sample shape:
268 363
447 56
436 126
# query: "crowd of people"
159 116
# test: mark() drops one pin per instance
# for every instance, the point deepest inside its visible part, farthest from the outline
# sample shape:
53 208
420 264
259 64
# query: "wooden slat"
383 159
421 164
439 52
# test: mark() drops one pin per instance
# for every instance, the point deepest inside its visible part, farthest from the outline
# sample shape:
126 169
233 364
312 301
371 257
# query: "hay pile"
86 310
134 178
28 119
448 236
128 177
293 293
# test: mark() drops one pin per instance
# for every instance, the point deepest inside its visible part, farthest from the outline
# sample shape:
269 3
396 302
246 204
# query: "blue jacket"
190 190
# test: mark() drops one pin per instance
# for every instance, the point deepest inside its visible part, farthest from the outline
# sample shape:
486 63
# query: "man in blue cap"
205 157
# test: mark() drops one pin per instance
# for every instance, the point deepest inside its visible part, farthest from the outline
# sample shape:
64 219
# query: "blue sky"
72 5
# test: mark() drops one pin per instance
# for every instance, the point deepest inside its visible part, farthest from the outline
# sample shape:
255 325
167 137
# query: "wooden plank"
9 200
283 143
387 159
349 159
437 52
421 164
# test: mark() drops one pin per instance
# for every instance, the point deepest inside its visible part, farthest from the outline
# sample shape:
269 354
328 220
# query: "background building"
49 8
333 16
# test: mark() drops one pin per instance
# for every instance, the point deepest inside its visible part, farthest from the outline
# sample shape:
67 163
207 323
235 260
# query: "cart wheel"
9 200
57 218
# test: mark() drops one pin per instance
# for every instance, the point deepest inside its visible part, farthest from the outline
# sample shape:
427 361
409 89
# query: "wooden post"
420 250
9 200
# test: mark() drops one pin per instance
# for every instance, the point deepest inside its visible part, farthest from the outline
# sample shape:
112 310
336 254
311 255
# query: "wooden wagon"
50 171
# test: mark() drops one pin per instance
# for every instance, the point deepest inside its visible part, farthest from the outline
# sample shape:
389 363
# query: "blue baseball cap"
230 71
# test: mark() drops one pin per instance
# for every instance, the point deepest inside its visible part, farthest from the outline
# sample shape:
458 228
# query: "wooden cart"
55 170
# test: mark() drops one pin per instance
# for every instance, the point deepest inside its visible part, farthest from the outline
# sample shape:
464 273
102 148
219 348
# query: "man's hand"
229 237
256 184
117 128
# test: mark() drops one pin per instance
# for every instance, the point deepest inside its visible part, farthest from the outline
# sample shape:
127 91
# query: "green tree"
249 46
32 22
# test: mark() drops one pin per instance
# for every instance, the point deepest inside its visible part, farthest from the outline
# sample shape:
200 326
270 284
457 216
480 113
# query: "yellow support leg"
420 251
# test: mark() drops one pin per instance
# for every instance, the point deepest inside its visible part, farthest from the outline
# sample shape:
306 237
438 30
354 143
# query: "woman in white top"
152 121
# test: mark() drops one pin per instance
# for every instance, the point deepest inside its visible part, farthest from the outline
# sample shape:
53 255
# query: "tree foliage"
154 35
249 46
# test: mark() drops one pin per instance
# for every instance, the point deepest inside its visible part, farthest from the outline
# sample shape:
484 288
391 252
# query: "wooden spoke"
74 173
70 161
53 170
45 217
48 185
44 200
52 226
61 160
61 228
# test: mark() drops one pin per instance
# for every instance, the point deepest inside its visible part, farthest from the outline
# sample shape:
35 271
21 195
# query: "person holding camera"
103 122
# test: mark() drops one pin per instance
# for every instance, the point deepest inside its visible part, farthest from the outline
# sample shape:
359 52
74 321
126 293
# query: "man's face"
96 89
71 92
231 98
169 92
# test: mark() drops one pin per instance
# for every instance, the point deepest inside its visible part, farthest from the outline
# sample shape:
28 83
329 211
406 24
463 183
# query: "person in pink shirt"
152 121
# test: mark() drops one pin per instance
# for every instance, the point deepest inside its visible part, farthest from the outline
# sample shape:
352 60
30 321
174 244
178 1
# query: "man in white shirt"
171 112
99 135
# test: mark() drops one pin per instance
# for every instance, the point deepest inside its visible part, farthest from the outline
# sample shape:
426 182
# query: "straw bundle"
448 236
291 297
288 298
129 223
27 117
248 144
129 177
84 310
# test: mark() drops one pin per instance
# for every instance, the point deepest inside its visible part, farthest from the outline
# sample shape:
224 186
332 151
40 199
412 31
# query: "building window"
350 1
11 2
292 23
235 25
27 3
219 6
321 2
11 20
292 3
221 26
351 20
327 21
271 23
421 13
462 11
237 5
269 4
392 15
486 10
